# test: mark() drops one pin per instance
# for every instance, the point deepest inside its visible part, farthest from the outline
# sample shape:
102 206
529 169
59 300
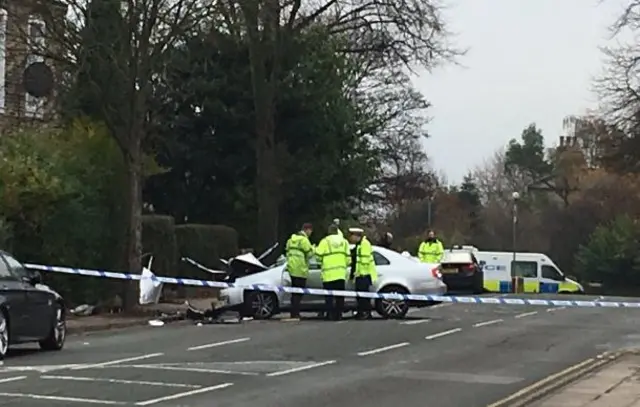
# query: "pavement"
615 385
449 355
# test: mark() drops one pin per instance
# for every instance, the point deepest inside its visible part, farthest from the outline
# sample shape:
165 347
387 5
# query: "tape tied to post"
337 293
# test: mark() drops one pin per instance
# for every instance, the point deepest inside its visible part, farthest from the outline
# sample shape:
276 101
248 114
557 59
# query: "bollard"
517 285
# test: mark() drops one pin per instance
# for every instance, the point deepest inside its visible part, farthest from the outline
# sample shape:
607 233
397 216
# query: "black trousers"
334 305
363 283
298 282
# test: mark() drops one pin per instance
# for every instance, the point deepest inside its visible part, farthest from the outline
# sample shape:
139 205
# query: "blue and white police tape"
339 293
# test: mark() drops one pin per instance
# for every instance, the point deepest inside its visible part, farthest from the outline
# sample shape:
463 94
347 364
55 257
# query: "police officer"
363 269
431 250
336 222
386 241
333 254
298 251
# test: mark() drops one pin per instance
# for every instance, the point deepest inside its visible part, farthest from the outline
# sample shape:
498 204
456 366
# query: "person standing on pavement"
333 255
363 269
431 250
298 251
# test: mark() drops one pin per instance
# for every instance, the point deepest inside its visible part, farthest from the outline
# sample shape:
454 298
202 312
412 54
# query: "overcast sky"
528 61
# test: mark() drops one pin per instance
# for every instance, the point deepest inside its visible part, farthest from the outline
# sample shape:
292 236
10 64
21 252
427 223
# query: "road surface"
445 356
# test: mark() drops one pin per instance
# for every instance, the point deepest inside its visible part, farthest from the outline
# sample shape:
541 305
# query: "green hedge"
159 240
206 244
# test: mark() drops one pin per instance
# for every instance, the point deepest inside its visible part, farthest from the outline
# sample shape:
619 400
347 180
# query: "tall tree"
400 33
326 164
145 30
619 90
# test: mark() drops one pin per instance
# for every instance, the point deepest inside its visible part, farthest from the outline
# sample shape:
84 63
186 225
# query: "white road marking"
185 394
444 333
383 349
118 381
415 322
216 344
59 398
441 305
41 369
117 361
301 368
494 321
555 309
525 314
12 379
186 369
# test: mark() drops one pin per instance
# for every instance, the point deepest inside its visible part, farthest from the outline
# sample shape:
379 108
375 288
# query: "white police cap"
356 230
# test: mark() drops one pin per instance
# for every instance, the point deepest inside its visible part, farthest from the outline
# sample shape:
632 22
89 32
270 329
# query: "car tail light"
469 267
435 272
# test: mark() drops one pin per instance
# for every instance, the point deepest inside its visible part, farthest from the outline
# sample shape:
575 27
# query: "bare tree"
404 32
619 90
148 30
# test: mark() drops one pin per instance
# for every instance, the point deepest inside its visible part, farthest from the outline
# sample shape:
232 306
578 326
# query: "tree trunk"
268 177
134 230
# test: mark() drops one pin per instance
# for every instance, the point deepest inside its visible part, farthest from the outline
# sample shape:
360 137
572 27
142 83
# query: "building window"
34 107
3 61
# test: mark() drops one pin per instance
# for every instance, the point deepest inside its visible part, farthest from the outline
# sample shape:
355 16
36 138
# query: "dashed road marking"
65 399
383 349
301 368
117 361
555 309
444 333
415 322
184 394
12 379
526 314
186 369
444 304
216 344
494 321
118 381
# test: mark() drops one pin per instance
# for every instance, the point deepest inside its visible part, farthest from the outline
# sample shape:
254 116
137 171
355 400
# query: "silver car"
397 273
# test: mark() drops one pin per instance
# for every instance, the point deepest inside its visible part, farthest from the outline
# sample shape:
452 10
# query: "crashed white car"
396 274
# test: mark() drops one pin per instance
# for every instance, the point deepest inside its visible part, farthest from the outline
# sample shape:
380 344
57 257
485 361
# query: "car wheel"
57 334
392 309
4 335
261 304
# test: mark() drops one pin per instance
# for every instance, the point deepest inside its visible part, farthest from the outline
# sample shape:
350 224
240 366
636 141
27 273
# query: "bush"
612 256
61 193
159 241
206 244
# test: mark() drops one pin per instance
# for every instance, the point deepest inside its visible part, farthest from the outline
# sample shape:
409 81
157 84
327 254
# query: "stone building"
26 95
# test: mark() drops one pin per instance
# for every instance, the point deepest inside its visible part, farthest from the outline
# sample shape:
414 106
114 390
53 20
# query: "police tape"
339 293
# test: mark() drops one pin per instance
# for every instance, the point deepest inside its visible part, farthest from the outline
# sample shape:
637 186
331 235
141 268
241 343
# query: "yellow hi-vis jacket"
365 265
431 252
298 252
333 254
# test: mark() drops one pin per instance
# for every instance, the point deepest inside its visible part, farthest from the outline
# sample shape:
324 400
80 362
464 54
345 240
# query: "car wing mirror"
33 278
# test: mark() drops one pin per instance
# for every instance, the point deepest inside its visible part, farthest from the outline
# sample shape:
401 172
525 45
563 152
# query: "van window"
525 269
551 273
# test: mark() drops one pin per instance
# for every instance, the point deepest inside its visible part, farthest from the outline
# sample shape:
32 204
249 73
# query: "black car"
29 310
461 272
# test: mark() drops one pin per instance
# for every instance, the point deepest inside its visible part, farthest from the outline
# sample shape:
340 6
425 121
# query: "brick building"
22 41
